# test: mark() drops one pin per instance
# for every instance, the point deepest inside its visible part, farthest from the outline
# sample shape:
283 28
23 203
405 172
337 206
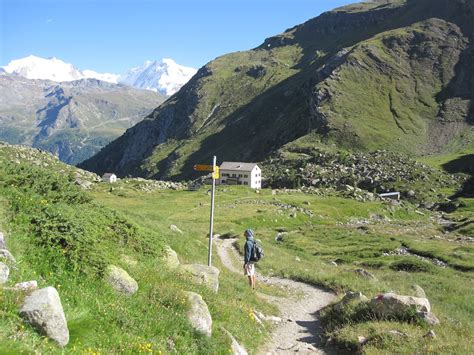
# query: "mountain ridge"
382 74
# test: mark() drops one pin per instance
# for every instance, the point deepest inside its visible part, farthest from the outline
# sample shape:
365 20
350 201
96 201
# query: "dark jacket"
248 250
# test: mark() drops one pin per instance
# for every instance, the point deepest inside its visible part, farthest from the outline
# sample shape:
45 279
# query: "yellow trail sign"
200 167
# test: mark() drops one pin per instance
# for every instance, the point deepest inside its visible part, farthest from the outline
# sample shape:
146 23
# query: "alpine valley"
394 75
50 104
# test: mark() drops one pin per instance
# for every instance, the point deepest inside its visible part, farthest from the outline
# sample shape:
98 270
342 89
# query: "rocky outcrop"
170 258
202 274
121 281
391 305
198 314
365 274
43 310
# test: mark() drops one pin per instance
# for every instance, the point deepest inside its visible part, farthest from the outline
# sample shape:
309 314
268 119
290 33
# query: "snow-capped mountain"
33 67
165 76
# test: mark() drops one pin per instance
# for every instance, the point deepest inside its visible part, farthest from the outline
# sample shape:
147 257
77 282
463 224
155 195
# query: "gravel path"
299 332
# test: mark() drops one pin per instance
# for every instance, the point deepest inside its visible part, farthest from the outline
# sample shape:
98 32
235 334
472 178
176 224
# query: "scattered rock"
350 297
198 315
5 254
176 229
235 347
26 286
431 334
393 305
428 317
170 258
203 274
411 193
419 292
333 263
365 274
297 258
362 340
279 237
4 273
120 280
2 241
43 310
398 333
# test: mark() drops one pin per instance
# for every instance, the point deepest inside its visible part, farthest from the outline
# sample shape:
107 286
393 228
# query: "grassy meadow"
65 237
352 234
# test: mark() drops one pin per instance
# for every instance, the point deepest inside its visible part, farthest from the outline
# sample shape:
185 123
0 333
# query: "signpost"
215 175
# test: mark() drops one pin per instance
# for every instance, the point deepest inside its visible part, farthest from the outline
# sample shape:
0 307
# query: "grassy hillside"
381 75
62 237
65 237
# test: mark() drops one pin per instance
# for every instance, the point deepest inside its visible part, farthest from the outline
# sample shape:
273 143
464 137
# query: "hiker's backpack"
257 252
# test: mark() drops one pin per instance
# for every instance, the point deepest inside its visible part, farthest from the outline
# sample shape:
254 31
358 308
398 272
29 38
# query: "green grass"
310 244
61 237
114 221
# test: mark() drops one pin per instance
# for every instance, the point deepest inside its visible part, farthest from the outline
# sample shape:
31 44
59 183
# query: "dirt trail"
299 332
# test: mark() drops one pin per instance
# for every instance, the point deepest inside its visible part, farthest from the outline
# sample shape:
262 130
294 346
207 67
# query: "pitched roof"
238 166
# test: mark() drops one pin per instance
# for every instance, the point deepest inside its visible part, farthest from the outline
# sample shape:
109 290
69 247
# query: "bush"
411 265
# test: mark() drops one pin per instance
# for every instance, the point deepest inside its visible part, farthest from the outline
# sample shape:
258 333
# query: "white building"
109 177
236 173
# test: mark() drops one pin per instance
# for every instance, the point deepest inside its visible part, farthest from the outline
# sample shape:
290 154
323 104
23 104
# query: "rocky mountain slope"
71 119
392 74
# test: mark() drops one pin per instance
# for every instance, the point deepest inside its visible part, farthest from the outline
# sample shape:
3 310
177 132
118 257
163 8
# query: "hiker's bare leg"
250 281
254 282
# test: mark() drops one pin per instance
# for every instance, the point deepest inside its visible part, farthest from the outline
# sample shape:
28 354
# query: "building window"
246 176
233 175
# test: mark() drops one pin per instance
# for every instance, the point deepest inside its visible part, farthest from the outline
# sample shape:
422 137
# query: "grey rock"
43 310
4 273
26 286
235 347
351 297
120 280
176 229
5 254
391 304
419 292
361 339
170 258
365 274
202 274
428 317
431 334
198 314
2 241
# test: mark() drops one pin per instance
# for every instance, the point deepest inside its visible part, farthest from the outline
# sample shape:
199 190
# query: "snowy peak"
33 67
165 76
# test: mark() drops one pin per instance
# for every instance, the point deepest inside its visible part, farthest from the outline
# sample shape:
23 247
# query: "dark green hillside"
393 74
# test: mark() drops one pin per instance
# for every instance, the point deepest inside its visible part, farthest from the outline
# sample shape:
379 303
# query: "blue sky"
114 35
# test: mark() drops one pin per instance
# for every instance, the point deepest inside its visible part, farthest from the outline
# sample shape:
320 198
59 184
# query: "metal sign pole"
211 227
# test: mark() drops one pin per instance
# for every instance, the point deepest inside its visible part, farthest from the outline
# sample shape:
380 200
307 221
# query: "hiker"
249 266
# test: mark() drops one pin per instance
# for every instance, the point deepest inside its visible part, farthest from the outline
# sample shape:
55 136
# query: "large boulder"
198 314
4 272
203 274
393 305
235 347
120 280
170 258
43 310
